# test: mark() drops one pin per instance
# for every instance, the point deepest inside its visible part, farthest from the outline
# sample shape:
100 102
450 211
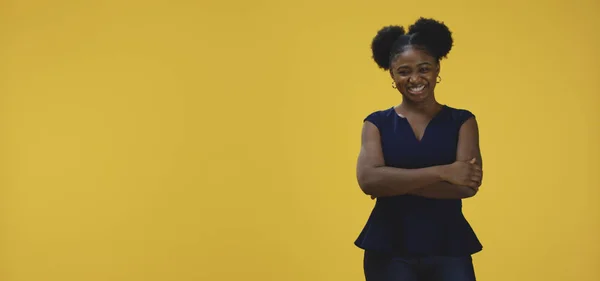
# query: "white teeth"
417 88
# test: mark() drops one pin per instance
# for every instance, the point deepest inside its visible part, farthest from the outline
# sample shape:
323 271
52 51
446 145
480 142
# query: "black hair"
430 35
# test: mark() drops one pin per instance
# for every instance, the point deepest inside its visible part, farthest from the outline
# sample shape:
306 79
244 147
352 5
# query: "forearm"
389 181
444 190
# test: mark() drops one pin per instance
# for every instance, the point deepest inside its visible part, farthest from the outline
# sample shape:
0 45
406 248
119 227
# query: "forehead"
412 56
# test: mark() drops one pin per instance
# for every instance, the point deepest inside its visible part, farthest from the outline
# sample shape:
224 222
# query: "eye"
403 72
424 70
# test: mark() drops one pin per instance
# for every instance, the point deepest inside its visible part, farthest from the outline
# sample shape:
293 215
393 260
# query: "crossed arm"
377 180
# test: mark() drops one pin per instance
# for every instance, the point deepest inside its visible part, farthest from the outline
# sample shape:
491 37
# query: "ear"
438 68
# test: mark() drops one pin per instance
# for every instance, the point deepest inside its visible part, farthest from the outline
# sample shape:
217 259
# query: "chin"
417 98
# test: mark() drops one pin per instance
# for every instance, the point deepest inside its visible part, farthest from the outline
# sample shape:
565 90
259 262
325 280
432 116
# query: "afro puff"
431 35
383 42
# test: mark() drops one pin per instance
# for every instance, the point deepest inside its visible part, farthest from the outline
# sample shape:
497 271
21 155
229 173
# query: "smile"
417 89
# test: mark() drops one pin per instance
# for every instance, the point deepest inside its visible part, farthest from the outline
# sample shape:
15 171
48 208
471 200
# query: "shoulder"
459 115
379 117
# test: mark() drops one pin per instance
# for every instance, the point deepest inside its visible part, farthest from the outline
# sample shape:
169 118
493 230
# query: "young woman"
419 159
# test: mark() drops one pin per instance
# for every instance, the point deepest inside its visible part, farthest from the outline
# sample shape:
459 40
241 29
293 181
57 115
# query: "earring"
393 84
439 79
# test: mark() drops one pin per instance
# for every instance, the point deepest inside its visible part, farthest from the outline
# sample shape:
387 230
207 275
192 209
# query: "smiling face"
415 72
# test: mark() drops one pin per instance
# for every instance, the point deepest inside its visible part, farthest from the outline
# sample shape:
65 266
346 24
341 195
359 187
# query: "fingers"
473 162
476 171
475 177
471 181
472 184
476 167
475 184
470 172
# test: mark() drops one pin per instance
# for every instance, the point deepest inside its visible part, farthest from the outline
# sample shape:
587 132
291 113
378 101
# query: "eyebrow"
420 64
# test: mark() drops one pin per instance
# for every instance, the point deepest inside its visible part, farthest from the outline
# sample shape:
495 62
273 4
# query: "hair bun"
434 34
383 42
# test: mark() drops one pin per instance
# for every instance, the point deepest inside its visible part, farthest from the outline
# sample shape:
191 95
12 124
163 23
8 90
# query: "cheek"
400 80
431 77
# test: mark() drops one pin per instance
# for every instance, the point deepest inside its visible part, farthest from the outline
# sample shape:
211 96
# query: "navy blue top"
410 224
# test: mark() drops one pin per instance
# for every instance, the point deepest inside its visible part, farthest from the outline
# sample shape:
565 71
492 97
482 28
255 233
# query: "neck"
429 107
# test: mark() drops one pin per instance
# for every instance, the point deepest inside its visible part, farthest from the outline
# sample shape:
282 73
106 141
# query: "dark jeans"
383 267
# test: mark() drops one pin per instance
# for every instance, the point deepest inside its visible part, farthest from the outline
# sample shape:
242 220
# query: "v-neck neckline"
412 130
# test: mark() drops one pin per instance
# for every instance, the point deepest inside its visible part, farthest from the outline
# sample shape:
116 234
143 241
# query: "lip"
416 93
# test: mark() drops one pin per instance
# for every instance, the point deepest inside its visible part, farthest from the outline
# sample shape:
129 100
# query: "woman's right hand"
464 173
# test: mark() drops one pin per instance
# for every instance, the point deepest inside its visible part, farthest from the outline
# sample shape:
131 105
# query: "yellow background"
207 140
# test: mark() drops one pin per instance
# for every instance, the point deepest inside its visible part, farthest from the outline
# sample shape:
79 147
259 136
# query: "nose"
413 78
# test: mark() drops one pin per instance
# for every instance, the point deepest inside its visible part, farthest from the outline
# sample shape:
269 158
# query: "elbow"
470 192
368 184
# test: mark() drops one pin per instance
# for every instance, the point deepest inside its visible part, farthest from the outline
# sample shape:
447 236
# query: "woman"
419 159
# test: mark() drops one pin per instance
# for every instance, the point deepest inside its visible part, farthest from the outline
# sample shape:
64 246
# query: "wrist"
442 172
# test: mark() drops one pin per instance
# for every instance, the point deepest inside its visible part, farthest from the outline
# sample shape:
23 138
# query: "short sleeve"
374 118
460 116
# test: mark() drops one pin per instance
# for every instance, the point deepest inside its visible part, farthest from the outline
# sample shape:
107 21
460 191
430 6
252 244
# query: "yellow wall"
198 140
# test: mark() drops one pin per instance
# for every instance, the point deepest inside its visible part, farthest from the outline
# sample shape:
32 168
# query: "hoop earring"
394 85
439 79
